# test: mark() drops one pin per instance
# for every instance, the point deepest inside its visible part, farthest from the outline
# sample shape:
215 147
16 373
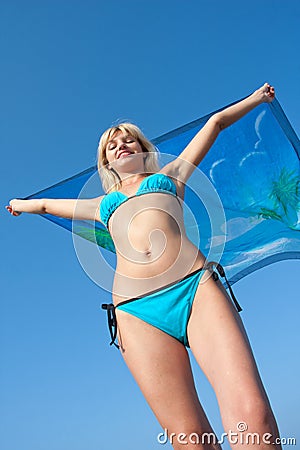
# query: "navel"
148 254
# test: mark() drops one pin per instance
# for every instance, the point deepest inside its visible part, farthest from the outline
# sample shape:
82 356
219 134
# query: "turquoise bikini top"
157 182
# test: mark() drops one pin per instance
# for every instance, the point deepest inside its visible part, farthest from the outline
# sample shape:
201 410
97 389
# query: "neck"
131 178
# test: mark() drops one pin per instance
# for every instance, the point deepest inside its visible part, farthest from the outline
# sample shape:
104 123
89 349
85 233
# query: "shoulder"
173 171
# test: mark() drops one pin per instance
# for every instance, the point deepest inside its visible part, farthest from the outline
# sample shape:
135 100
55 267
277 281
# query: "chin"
130 162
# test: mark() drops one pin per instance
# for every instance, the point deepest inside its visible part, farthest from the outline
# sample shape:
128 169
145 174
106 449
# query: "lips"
123 154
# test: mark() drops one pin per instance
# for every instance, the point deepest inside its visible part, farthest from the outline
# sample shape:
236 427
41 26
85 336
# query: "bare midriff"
152 247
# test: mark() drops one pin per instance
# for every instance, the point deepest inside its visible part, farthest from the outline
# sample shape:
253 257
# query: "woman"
164 297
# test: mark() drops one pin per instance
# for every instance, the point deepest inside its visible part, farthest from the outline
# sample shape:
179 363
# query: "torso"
151 243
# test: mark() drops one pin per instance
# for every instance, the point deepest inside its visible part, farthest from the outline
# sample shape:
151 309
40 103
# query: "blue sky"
70 69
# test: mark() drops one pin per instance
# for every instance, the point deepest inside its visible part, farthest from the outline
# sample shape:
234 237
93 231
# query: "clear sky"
69 69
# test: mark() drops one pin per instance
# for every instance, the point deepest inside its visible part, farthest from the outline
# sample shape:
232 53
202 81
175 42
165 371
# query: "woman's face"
122 148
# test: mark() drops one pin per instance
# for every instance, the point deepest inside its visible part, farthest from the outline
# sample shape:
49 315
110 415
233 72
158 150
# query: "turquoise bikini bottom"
167 308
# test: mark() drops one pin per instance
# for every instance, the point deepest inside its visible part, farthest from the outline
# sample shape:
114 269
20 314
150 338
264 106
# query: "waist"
133 278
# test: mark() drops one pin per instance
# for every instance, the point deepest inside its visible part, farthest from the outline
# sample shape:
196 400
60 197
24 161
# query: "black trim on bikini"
159 289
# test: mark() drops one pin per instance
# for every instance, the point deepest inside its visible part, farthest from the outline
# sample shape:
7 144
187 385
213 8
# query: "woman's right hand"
11 208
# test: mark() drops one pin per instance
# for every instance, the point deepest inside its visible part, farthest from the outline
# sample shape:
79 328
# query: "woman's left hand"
267 93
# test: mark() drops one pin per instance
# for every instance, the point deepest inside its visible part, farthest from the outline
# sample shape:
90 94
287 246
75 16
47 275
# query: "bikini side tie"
112 322
222 274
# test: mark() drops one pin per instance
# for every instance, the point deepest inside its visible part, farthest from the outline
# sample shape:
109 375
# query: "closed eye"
126 140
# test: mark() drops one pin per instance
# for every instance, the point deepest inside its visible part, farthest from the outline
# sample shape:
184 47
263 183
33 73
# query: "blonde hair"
109 177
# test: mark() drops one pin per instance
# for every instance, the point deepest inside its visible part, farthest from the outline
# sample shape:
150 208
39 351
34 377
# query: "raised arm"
195 151
84 209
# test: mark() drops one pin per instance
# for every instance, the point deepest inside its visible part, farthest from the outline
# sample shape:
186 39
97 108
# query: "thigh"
220 345
160 364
